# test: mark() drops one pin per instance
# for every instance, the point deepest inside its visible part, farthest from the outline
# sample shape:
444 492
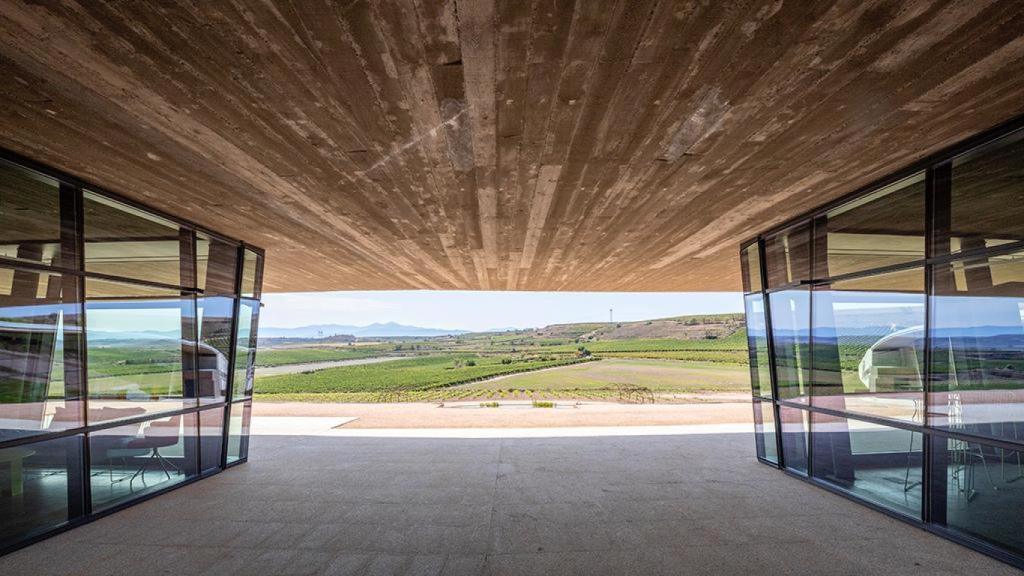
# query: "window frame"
71 267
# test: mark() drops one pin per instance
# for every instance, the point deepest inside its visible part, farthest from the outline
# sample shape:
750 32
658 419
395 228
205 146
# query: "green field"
656 375
736 357
736 342
284 356
421 373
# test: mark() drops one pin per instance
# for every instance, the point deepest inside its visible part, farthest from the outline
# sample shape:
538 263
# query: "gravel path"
423 415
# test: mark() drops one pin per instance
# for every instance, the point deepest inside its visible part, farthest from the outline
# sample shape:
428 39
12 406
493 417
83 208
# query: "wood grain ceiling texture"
501 145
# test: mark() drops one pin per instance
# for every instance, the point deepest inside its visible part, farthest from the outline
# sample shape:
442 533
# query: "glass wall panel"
750 262
983 488
764 431
869 345
34 486
238 431
29 216
883 228
791 329
757 345
245 351
145 316
794 423
135 459
35 325
217 270
978 346
127 242
788 256
874 462
214 350
135 343
987 188
211 437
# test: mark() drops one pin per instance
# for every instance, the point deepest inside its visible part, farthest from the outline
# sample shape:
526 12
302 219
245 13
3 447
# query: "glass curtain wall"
886 339
127 345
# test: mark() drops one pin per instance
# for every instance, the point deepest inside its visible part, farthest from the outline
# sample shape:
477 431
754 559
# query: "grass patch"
613 373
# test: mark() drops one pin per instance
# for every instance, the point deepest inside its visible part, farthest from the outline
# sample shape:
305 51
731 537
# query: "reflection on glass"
794 423
35 323
134 336
978 347
757 345
750 261
211 438
791 319
215 266
213 352
987 192
877 463
245 351
29 216
216 274
238 431
984 490
764 431
250 270
883 228
788 256
34 483
869 345
127 242
131 460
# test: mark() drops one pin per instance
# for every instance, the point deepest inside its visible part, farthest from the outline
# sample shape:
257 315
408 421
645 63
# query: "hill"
376 330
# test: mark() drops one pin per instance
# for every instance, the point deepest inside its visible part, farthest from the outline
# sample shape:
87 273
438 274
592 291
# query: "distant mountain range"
376 330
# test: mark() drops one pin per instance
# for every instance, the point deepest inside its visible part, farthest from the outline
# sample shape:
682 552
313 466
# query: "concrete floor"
645 505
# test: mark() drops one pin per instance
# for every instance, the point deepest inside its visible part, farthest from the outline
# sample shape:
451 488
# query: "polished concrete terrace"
664 504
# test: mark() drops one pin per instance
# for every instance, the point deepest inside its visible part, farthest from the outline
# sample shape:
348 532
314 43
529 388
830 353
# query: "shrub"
543 404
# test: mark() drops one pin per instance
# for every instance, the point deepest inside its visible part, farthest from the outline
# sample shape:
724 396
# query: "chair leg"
160 460
141 472
167 462
984 464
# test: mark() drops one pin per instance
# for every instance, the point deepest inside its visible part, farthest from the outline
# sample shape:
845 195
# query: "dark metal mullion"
137 282
926 386
72 291
770 344
819 240
36 267
79 220
938 210
190 343
233 351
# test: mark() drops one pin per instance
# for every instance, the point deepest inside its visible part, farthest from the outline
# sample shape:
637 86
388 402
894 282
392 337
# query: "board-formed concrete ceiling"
475 144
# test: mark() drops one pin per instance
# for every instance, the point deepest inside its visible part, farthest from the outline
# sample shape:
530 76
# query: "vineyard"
285 356
419 374
687 355
735 342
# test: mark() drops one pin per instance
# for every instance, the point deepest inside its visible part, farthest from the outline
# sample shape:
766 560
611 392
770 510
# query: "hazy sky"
484 310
